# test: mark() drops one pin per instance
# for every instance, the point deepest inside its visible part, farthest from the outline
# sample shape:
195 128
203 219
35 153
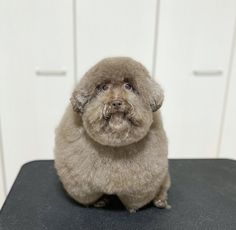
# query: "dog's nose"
116 104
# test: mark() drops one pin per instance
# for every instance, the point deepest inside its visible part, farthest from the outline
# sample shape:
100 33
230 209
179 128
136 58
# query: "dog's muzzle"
116 106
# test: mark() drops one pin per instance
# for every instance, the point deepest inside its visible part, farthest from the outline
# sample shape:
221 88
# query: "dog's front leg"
160 200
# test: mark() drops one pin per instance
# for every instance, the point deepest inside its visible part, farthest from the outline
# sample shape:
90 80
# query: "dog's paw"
161 204
101 203
132 210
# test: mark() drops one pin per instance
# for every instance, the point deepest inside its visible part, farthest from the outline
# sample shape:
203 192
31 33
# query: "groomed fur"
111 140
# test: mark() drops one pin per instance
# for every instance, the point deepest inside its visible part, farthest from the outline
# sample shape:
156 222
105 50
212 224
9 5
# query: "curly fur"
102 148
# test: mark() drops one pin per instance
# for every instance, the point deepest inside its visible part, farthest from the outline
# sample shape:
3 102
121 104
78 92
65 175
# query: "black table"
203 196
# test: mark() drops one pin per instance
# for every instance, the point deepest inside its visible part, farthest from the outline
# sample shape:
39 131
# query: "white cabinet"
36 77
228 137
115 28
193 54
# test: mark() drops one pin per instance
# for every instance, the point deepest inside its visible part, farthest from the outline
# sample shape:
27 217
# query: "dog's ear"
78 100
156 95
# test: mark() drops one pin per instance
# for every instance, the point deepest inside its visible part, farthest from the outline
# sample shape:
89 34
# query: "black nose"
116 103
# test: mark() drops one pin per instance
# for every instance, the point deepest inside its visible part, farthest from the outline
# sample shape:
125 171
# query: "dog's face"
116 99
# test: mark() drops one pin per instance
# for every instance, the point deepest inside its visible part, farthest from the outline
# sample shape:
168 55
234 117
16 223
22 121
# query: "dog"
111 138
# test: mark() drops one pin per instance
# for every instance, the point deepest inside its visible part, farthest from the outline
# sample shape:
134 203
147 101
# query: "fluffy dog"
111 140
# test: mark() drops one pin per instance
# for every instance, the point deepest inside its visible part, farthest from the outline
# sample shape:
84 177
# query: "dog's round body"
111 140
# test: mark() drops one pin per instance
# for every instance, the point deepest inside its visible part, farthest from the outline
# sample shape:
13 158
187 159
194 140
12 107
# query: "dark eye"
104 87
128 86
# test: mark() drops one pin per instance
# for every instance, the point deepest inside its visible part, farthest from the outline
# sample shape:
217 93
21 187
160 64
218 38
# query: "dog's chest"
118 175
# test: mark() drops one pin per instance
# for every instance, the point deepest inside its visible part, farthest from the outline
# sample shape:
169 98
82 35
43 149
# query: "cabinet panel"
228 141
193 52
37 77
114 28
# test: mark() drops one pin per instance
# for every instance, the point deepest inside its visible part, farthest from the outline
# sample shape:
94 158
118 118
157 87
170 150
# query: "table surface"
202 196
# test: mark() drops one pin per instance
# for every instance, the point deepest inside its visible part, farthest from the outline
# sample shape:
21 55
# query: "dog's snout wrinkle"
105 112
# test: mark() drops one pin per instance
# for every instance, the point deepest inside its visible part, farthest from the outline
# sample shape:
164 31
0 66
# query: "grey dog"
111 138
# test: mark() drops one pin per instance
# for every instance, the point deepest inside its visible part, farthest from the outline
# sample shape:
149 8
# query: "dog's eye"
128 86
102 87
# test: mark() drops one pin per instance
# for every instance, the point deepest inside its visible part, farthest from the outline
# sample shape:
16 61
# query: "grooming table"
202 196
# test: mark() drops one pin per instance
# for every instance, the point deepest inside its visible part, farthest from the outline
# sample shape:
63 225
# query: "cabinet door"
37 77
228 140
114 28
193 52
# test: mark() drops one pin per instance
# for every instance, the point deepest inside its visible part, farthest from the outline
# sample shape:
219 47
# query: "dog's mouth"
109 112
118 121
117 118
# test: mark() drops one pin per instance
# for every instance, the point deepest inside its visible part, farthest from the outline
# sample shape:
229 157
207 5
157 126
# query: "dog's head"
116 99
